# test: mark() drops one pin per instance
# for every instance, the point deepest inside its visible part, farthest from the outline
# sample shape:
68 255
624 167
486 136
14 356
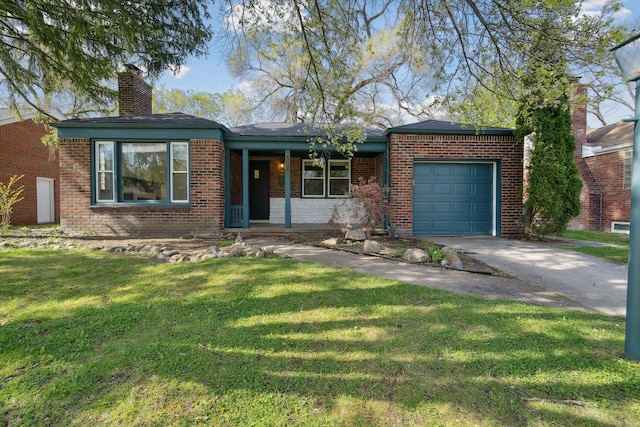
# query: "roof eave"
472 131
147 125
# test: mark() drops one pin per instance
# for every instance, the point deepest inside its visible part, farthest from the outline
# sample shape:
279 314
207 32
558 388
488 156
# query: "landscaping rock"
236 250
357 235
253 251
209 255
330 242
452 258
170 252
268 250
179 258
371 247
416 255
150 250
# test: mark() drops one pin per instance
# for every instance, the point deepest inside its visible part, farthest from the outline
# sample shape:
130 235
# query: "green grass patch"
597 236
93 338
607 252
618 251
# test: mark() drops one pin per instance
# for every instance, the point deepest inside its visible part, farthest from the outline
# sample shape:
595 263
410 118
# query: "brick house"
23 153
163 174
604 158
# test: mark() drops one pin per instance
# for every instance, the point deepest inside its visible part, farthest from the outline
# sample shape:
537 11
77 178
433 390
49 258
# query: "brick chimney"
134 94
579 117
590 217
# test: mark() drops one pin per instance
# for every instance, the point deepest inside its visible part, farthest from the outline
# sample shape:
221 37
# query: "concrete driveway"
482 285
593 282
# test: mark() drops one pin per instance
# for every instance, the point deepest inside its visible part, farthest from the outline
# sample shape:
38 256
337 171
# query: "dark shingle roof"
278 129
608 136
442 127
173 120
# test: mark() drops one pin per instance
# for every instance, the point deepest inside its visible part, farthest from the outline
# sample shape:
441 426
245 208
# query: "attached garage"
448 179
454 198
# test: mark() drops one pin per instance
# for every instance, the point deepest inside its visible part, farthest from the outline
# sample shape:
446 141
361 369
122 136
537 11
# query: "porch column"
287 188
227 188
245 188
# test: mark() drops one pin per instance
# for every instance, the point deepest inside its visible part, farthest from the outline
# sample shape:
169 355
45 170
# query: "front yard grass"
618 249
93 338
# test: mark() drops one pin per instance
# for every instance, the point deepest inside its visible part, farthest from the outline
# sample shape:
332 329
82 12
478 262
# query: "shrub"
9 196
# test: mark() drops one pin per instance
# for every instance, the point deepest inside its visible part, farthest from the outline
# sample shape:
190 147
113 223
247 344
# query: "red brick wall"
205 213
23 153
406 148
616 202
366 167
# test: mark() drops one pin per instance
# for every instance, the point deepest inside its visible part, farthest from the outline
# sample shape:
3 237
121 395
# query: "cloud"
594 7
179 72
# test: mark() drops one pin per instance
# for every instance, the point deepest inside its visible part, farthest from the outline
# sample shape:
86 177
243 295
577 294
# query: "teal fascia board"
139 133
470 131
293 145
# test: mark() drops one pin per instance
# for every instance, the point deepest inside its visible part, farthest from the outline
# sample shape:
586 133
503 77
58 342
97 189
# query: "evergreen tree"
553 181
552 193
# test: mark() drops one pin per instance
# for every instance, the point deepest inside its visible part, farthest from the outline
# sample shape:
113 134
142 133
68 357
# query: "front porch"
272 185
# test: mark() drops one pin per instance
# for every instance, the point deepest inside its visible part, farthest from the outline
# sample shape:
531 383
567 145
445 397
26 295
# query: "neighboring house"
163 174
23 153
603 157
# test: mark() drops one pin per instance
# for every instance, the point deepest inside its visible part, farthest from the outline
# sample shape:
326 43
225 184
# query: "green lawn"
619 251
597 236
93 338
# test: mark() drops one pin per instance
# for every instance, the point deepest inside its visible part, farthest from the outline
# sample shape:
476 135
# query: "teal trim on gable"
471 131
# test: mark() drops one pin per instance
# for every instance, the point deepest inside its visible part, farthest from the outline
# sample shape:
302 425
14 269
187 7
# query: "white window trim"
172 171
322 178
98 171
117 190
326 179
329 178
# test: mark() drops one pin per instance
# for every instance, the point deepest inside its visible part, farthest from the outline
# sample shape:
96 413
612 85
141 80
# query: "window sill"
140 205
324 197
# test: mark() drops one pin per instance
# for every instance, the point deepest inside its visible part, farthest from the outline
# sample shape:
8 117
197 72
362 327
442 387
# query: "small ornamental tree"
369 208
9 196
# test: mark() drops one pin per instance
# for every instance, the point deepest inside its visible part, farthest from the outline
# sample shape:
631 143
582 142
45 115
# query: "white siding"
305 211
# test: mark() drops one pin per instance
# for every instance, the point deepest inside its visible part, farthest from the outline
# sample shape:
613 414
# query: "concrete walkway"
538 291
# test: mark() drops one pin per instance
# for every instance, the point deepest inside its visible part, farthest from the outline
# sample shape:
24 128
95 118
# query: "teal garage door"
453 199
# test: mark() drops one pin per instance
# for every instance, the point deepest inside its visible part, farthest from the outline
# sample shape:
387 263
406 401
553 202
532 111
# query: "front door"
258 190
